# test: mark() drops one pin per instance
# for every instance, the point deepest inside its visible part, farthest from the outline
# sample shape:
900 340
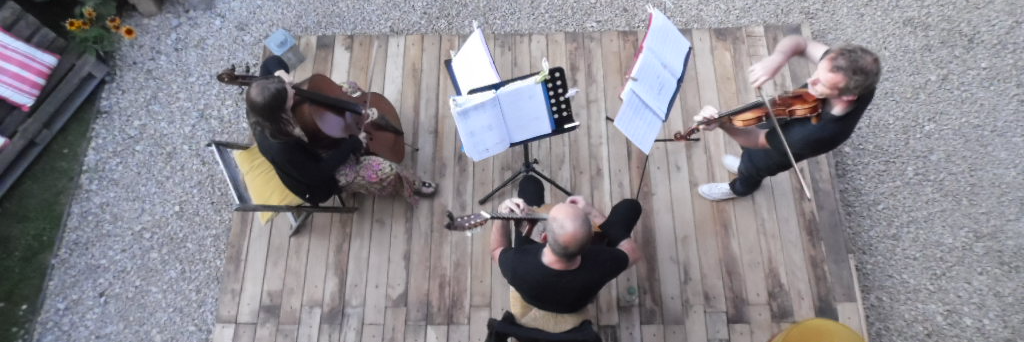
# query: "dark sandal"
426 189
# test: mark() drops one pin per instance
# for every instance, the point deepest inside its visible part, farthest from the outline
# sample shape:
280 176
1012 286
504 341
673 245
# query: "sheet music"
664 40
654 84
638 122
480 127
525 108
472 65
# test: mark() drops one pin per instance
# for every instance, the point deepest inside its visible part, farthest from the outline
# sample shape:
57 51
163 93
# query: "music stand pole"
526 169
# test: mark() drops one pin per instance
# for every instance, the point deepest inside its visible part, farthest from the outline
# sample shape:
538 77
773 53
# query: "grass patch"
31 217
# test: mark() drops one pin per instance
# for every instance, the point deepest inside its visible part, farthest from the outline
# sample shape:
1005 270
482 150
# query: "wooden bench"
74 78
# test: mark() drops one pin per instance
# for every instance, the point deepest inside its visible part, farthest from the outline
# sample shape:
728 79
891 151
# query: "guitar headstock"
467 222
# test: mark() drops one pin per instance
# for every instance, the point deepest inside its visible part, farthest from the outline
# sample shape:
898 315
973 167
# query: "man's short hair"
558 225
859 65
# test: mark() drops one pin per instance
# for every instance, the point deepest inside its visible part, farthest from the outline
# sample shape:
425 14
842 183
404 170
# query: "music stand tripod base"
527 168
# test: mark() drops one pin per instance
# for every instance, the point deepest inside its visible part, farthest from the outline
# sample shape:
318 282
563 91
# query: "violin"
796 104
318 98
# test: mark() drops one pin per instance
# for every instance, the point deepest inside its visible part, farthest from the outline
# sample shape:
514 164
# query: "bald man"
559 276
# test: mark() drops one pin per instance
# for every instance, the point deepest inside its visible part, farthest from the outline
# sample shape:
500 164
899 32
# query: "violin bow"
775 123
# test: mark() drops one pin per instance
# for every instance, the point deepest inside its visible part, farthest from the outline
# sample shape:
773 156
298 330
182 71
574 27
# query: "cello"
318 100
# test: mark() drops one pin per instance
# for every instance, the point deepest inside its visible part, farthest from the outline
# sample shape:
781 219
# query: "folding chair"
225 154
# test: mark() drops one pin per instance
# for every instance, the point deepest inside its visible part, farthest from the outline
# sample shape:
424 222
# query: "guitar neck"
507 217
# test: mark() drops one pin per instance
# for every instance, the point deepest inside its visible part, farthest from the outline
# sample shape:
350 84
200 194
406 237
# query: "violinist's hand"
513 206
763 71
285 76
707 113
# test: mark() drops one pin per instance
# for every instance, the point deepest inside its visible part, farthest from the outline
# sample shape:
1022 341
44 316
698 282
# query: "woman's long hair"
265 102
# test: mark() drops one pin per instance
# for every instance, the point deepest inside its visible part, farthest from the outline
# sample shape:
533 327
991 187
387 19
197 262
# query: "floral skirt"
373 175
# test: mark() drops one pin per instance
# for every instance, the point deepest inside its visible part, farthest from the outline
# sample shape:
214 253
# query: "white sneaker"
732 163
716 191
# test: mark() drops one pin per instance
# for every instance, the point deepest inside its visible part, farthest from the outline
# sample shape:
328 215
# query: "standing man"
554 280
845 80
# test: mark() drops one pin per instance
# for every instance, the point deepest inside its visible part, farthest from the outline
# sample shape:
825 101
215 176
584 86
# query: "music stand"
561 110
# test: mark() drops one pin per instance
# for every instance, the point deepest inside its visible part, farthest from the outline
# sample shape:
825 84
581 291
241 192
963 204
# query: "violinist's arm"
766 69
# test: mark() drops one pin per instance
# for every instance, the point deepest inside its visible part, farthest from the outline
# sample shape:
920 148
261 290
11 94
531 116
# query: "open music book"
489 122
472 67
653 82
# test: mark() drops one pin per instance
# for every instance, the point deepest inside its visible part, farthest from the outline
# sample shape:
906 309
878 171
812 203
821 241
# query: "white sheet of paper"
638 122
664 40
480 127
525 110
472 65
654 84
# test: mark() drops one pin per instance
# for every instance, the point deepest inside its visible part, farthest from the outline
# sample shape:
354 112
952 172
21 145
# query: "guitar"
471 223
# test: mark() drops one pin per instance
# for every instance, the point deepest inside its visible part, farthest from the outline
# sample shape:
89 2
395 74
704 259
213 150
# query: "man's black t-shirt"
560 291
807 140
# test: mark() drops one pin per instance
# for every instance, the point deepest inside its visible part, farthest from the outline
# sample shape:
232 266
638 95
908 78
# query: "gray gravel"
931 182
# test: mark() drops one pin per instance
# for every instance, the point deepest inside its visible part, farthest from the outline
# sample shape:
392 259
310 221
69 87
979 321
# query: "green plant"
97 37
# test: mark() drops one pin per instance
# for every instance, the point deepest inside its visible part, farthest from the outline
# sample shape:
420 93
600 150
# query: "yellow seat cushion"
265 187
552 322
818 330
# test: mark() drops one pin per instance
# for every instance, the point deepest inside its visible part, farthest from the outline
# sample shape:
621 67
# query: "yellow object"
531 317
265 186
128 32
818 330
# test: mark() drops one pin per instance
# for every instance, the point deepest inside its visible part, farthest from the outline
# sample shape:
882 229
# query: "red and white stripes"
23 70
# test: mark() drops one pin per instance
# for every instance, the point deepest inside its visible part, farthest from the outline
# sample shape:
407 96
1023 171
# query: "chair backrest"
224 152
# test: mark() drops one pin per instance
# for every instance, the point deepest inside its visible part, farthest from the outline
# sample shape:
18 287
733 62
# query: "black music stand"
561 111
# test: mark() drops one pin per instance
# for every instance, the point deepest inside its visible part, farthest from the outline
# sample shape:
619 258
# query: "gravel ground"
931 182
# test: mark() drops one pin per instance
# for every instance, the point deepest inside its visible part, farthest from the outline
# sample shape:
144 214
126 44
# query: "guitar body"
532 225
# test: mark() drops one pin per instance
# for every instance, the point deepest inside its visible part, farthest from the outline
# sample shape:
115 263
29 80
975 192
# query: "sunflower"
128 32
86 25
114 23
73 24
89 12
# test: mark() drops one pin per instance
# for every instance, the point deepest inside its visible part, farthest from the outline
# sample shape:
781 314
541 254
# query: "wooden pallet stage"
739 270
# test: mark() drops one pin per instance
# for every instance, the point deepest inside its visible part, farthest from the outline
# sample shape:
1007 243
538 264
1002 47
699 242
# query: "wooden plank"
461 247
273 279
341 58
358 260
655 333
760 322
230 292
860 301
717 326
244 333
394 325
401 224
287 333
739 333
376 276
458 333
309 324
223 332
736 296
373 333
609 333
337 267
629 325
415 333
579 146
849 314
329 332
317 262
444 168
696 324
597 138
437 333
541 149
307 45
559 168
833 232
294 277
478 317
252 278
352 325
426 134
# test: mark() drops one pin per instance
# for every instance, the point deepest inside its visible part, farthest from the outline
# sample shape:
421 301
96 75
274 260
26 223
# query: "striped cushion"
23 70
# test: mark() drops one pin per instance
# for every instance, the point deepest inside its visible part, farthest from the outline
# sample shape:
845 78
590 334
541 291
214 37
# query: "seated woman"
316 175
